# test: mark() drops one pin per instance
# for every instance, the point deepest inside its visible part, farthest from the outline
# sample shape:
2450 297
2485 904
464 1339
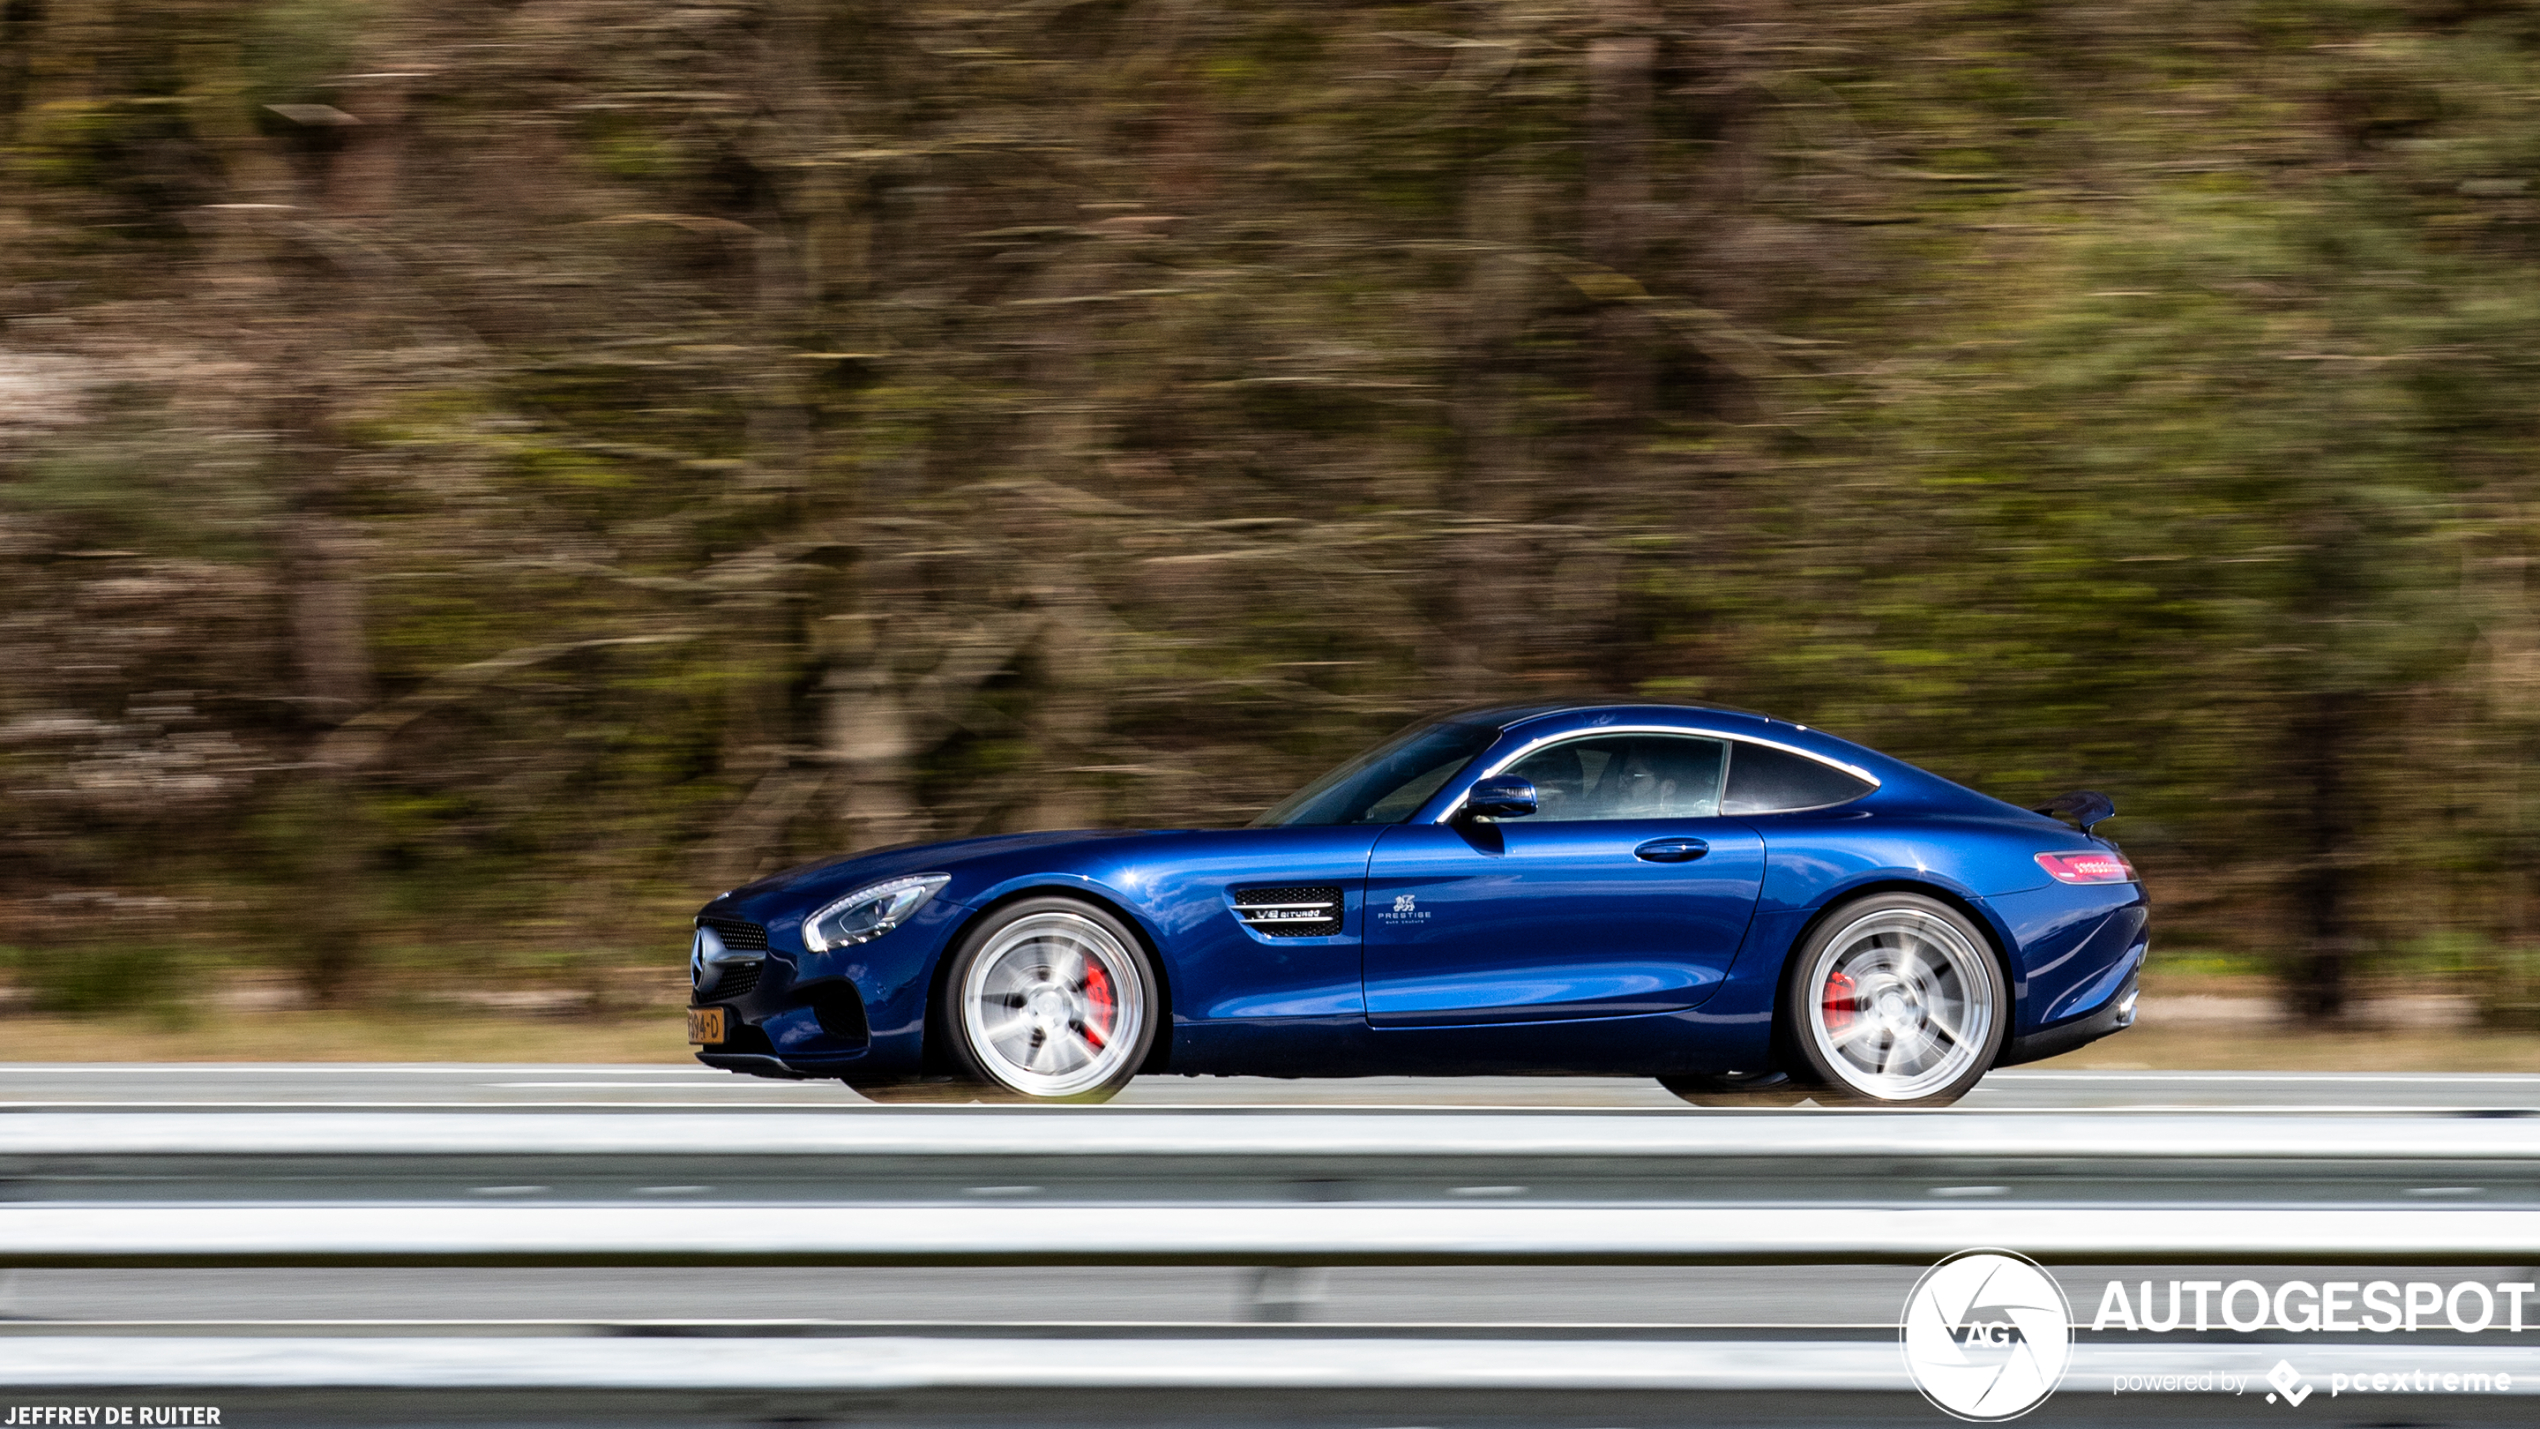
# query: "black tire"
1050 999
1921 981
1749 1089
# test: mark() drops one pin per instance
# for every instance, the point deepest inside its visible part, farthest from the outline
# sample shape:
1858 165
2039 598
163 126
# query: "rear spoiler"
2081 808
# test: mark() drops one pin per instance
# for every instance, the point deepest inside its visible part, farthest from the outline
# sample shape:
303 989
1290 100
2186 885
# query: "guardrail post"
1284 1294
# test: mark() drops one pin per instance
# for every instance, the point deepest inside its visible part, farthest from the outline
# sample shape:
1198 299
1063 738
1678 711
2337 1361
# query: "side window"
1625 776
1406 800
1764 780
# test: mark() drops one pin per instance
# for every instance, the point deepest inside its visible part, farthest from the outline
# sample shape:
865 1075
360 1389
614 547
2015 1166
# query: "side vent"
1290 911
840 1011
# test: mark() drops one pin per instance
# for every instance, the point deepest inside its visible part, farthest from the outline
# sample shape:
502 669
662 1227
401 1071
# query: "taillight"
2097 866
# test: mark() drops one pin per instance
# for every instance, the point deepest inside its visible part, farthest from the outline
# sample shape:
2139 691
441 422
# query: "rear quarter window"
1764 780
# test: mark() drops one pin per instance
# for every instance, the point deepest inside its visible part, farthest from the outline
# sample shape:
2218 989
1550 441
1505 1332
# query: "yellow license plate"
705 1025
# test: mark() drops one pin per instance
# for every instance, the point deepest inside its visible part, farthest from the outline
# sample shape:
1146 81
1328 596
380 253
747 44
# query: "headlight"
868 913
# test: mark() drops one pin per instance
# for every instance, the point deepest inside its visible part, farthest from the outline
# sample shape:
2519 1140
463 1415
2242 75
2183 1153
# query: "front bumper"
788 1026
858 1010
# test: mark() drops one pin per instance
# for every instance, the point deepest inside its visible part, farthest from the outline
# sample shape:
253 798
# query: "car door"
1626 892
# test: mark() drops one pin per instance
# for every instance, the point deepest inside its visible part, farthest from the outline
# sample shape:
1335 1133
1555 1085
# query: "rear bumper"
2114 1015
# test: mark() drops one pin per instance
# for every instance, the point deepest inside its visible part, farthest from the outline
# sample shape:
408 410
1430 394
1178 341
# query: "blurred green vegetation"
476 479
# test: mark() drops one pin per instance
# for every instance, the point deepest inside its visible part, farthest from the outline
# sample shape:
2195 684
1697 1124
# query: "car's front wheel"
1896 1000
1051 999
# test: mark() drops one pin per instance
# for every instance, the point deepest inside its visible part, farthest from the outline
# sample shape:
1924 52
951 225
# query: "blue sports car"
1744 908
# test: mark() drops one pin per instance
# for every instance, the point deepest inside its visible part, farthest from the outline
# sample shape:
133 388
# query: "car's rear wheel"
1051 999
1896 1000
1739 1089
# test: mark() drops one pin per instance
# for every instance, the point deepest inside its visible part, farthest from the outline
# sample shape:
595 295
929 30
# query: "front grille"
737 935
739 980
1290 911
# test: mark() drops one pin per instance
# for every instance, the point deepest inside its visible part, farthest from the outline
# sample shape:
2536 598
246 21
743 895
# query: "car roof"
1505 715
1900 783
1897 779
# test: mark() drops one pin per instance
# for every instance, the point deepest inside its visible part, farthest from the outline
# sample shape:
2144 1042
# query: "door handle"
1671 850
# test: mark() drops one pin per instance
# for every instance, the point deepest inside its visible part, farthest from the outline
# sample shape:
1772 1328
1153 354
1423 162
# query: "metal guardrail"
885 1188
1351 1233
903 1363
889 1188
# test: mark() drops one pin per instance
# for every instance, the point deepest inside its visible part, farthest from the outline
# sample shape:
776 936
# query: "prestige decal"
1406 909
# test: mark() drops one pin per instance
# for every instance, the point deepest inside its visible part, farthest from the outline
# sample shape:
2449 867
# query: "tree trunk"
871 736
1068 708
1487 479
19 22
330 656
321 313
1616 216
2331 937
362 182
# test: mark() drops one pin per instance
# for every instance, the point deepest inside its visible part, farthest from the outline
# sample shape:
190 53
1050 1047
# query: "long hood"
974 863
1168 875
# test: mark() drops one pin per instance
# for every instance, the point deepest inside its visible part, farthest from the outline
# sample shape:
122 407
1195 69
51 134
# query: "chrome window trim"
1695 732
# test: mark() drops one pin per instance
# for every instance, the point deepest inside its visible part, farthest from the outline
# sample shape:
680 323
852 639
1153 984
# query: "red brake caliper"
1838 1006
1099 1005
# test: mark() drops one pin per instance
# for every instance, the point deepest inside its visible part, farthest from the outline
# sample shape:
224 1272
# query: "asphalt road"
421 1085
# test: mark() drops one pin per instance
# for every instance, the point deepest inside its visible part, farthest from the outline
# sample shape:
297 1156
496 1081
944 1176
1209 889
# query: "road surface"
419 1085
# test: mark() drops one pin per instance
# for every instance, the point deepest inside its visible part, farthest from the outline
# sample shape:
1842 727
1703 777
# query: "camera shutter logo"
1987 1335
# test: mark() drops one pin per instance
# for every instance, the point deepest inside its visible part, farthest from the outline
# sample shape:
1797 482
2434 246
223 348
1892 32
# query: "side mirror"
1503 797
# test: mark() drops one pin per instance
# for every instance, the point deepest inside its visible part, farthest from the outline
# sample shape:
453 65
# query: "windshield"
1388 783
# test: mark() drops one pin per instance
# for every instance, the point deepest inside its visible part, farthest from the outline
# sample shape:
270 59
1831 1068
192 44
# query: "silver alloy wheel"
1900 1004
1054 1005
